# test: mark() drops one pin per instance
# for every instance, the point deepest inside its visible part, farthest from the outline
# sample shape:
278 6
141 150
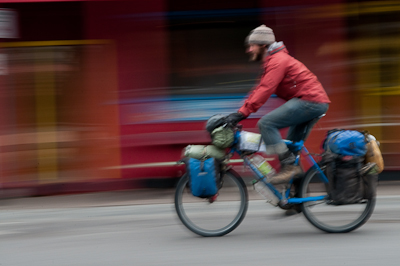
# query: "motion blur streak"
94 91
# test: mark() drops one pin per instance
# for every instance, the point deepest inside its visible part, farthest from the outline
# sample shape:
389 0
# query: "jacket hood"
275 47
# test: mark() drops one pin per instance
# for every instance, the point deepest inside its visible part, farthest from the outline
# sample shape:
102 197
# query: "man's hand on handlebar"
235 118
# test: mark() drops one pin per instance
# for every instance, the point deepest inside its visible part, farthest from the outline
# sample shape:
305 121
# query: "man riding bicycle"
290 80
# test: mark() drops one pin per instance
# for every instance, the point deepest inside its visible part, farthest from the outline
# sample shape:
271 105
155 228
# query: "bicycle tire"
332 218
219 217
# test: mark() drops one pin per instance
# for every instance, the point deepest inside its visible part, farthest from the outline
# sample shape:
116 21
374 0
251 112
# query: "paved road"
129 197
78 230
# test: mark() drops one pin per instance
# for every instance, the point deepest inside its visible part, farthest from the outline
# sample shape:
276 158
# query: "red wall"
138 31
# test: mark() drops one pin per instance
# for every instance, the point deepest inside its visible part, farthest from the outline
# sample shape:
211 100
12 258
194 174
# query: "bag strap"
204 155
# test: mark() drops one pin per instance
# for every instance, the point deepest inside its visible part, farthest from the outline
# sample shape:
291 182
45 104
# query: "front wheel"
332 218
213 218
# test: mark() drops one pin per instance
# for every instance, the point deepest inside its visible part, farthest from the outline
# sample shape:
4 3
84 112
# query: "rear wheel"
332 218
206 217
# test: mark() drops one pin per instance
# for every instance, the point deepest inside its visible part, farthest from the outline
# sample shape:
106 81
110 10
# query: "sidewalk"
132 197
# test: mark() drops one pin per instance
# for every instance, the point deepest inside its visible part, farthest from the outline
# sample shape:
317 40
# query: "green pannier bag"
222 137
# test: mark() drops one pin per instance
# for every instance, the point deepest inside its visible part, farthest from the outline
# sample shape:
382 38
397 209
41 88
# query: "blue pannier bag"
203 176
346 142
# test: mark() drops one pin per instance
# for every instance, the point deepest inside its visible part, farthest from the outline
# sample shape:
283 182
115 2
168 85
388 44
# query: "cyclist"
290 80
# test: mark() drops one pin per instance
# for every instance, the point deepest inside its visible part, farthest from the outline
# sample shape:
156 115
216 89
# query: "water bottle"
262 165
265 192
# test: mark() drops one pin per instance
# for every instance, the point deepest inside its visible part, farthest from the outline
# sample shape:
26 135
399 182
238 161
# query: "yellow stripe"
46 117
352 9
384 91
53 43
162 164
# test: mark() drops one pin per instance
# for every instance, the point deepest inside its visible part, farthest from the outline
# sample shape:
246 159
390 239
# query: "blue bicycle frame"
297 147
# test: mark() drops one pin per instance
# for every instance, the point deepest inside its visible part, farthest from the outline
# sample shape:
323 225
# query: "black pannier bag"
370 184
346 185
344 157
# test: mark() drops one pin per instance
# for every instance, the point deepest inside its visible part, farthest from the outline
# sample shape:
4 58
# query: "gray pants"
295 114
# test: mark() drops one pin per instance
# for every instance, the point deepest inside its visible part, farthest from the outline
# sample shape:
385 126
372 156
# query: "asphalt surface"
132 197
152 235
140 227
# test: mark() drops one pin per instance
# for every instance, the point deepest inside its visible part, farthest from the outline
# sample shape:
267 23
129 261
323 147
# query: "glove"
235 118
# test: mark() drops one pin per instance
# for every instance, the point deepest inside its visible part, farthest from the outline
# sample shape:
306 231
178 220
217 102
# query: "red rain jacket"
286 77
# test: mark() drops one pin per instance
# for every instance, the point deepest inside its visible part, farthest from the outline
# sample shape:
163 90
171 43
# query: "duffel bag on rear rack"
346 142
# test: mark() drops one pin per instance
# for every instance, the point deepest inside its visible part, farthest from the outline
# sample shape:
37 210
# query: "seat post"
311 123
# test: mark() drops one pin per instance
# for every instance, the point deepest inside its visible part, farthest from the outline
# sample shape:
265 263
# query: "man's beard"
258 57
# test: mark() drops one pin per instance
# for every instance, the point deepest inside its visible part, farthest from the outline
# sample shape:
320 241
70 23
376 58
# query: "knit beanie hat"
261 35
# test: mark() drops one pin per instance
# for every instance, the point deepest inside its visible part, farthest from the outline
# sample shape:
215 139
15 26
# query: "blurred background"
95 92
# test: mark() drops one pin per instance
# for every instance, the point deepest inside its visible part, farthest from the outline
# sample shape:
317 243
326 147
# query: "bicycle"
226 210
